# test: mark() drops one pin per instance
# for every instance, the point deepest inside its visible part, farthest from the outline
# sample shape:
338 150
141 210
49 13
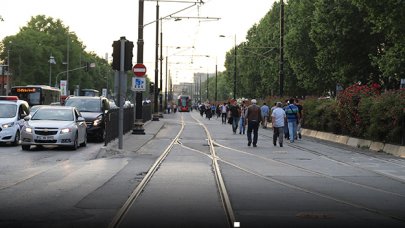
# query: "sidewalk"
131 142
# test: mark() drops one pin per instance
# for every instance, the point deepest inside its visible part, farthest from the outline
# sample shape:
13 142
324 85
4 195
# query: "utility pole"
207 87
161 71
234 73
156 88
216 82
138 123
281 78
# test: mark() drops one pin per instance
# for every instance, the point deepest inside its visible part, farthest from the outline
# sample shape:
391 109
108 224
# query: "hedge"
359 111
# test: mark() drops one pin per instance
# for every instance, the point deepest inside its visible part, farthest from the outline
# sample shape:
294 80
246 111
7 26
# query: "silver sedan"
55 125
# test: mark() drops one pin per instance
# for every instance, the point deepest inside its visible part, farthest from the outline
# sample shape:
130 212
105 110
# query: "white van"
12 113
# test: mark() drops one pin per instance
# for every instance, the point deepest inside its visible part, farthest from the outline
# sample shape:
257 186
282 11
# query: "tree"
386 19
43 36
343 43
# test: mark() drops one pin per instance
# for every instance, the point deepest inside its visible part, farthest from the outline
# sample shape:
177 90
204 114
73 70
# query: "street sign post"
138 84
139 70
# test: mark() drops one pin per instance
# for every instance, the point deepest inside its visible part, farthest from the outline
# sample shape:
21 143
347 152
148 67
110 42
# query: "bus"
184 103
36 94
89 92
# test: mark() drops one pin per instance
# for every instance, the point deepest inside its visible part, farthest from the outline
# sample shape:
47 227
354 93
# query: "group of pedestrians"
285 119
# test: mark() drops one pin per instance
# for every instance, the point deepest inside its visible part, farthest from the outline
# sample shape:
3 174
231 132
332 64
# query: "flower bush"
359 111
348 108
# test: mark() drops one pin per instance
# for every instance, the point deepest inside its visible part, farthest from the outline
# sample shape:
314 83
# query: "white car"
55 125
12 113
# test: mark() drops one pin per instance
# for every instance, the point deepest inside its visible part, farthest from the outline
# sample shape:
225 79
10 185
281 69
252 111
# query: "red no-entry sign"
139 70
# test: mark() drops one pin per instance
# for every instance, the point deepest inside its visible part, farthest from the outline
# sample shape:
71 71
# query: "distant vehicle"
12 113
93 110
184 103
89 92
54 125
36 94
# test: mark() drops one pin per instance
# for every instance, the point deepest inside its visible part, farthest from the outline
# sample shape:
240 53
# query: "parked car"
54 125
93 110
12 113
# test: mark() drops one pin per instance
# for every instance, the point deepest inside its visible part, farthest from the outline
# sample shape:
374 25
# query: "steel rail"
118 218
219 179
312 171
326 196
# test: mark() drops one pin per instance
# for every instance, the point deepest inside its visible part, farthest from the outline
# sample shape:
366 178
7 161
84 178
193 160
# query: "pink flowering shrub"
360 111
352 121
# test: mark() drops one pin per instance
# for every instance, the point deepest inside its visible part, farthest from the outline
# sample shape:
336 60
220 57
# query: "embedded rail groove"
141 186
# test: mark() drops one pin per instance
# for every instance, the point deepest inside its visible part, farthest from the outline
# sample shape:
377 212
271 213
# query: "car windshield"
85 105
8 110
53 114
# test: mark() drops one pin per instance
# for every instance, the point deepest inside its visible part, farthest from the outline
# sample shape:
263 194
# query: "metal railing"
111 121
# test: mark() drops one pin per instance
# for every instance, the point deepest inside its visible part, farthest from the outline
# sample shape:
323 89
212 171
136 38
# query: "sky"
192 44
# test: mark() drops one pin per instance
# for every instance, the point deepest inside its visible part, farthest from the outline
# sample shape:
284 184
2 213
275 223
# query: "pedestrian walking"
208 112
169 107
218 111
286 132
265 114
253 119
242 118
301 118
292 117
235 115
278 118
224 111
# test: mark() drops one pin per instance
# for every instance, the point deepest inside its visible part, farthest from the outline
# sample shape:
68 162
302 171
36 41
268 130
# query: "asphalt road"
309 183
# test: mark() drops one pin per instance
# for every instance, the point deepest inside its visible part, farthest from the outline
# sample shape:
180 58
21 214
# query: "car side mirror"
80 119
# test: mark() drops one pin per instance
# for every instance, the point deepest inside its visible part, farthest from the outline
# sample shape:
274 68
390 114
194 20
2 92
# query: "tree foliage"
30 50
327 42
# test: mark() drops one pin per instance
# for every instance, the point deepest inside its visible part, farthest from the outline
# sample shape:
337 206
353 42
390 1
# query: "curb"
395 150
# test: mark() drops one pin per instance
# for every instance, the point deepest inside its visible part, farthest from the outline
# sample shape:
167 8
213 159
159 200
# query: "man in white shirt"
278 117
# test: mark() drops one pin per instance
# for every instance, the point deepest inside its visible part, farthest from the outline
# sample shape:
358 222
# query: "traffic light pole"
138 124
155 116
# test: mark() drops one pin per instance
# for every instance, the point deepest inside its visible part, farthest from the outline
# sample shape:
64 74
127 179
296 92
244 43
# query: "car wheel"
84 143
25 147
76 142
17 139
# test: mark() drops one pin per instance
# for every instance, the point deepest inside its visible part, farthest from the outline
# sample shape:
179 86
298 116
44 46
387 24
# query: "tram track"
308 190
118 218
224 197
311 171
221 187
392 177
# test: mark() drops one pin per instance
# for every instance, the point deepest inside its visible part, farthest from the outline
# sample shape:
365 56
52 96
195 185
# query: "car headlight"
65 130
7 125
28 130
98 121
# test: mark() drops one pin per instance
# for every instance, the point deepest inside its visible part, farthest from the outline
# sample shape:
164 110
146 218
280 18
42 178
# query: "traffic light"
116 55
129 46
87 67
151 87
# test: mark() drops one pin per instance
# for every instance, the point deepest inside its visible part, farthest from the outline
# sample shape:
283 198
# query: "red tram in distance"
184 103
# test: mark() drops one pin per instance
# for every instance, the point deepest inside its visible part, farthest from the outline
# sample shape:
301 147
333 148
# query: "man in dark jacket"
253 119
235 114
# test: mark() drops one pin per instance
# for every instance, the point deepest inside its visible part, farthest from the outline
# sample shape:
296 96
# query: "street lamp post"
234 73
51 61
281 76
216 81
207 87
234 68
156 88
